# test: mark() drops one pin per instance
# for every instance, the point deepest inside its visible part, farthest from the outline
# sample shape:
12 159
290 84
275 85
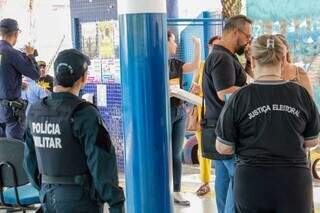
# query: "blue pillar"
76 33
144 78
173 12
172 9
206 33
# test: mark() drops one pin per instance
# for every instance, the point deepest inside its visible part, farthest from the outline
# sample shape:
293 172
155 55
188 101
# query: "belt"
78 179
7 103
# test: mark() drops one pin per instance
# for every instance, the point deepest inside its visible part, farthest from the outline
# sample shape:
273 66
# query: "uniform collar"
5 42
62 95
270 82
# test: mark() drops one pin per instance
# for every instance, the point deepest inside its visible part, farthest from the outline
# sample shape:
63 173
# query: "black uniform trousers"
68 198
273 189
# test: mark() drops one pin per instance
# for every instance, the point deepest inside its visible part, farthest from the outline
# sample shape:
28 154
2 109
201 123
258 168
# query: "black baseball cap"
69 66
8 25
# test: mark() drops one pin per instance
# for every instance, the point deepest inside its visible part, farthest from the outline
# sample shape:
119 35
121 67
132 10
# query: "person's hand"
196 40
248 53
29 49
195 88
24 85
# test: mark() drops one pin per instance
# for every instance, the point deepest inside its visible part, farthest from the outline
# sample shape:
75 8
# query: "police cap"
8 25
69 66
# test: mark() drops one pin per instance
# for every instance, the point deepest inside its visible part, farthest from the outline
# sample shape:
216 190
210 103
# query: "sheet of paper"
175 91
101 95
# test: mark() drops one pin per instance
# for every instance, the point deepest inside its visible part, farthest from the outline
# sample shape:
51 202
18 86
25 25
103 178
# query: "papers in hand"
88 97
175 91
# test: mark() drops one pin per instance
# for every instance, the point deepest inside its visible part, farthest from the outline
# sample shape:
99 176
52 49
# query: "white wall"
192 8
51 21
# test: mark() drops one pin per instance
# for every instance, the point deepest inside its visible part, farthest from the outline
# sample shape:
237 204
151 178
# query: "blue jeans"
178 124
225 170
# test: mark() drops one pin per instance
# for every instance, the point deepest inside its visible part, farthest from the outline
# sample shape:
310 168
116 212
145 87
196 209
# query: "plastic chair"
16 193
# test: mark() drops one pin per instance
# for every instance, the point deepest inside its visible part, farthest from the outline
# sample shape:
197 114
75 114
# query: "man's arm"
223 75
26 64
311 143
101 158
223 93
226 131
224 149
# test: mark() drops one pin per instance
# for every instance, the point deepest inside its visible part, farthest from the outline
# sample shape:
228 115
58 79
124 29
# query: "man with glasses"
223 74
13 64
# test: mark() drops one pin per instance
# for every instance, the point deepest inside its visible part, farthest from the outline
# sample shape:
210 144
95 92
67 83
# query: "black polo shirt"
222 70
268 122
46 82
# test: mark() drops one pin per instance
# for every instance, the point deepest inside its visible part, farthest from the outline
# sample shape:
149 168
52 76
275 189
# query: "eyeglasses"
249 36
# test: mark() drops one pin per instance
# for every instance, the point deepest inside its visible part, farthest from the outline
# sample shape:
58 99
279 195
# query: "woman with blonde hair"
268 125
291 72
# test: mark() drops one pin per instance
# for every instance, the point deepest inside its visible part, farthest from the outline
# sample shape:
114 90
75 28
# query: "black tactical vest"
58 151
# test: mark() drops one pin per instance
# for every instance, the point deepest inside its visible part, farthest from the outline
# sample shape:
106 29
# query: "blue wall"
112 116
100 10
204 31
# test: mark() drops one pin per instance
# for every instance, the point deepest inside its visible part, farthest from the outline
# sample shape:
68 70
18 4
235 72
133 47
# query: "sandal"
203 190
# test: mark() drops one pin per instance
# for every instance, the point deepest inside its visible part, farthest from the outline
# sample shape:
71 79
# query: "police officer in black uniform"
13 64
68 151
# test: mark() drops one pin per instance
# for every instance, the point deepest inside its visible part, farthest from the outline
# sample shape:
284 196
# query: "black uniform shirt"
222 70
175 71
268 122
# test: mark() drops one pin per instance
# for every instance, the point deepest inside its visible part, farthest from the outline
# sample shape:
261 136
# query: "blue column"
76 33
144 78
173 12
172 9
206 33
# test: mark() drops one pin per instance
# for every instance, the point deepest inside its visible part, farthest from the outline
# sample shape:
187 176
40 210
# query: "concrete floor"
207 204
190 184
